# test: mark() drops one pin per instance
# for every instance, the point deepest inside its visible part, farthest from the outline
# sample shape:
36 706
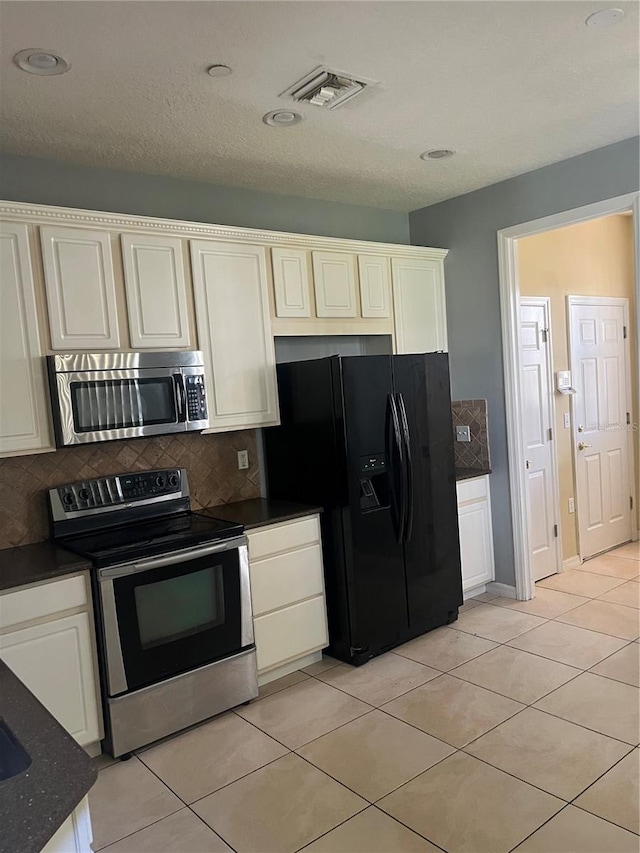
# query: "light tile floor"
515 729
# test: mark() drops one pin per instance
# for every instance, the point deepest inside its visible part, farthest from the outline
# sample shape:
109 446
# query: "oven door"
110 404
171 614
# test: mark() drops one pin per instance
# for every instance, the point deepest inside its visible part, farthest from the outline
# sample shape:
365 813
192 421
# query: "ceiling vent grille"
324 87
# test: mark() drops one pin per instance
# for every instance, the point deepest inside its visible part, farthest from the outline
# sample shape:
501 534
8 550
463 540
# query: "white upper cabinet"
155 282
234 332
24 420
419 305
334 278
375 285
291 282
80 287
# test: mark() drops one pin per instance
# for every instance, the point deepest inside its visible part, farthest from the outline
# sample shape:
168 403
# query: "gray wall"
68 185
467 226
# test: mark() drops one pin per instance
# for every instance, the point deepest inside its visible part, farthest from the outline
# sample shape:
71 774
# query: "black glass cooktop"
145 539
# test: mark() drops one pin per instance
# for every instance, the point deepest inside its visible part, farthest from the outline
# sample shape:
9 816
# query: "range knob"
160 481
173 480
68 498
84 494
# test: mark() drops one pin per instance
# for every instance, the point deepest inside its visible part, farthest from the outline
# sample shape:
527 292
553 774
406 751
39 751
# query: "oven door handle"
172 559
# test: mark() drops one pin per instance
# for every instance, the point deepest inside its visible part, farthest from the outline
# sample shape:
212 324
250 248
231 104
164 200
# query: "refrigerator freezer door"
431 546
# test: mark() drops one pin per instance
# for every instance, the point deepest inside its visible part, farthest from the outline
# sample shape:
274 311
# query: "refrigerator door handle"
397 473
408 467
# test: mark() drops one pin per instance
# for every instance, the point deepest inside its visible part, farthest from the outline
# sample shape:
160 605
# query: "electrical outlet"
572 505
243 460
567 420
463 433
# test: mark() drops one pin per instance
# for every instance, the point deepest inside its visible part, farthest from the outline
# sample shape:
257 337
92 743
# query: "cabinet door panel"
234 331
156 288
290 633
24 420
375 285
334 279
291 281
419 305
55 661
476 546
81 291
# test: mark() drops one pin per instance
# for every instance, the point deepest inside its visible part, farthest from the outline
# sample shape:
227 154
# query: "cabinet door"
375 285
155 282
55 661
290 633
81 290
419 305
24 419
476 542
234 331
334 279
291 282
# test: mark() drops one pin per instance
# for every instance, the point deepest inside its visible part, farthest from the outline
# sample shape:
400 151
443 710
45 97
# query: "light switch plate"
243 460
463 433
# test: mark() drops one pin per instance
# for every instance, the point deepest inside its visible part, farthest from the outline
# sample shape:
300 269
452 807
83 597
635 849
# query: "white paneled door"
537 419
601 412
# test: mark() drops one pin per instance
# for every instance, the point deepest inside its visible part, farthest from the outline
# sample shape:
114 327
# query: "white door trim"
509 308
622 302
545 303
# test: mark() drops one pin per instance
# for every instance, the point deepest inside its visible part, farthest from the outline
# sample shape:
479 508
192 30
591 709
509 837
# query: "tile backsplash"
211 463
475 453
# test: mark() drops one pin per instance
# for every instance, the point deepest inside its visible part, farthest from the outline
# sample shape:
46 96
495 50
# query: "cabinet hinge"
555 530
550 434
624 331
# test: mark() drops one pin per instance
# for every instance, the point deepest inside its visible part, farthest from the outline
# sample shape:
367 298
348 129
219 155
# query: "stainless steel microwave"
106 396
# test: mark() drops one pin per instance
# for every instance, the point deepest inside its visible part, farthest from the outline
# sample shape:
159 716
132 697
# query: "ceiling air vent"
326 88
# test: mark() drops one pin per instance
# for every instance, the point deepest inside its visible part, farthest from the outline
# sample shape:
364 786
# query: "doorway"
513 247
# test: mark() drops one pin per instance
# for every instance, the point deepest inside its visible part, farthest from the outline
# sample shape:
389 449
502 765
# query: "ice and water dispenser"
374 482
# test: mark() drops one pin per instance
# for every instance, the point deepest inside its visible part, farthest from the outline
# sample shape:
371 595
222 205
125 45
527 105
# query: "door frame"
545 303
622 301
508 276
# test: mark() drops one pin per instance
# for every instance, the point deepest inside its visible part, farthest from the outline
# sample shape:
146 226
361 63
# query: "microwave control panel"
196 398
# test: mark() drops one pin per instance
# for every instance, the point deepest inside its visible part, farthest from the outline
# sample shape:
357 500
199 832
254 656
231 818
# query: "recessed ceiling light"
437 154
281 118
218 71
605 18
35 60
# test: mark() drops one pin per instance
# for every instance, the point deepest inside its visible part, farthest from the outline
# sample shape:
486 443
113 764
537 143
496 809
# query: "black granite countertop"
40 562
258 512
36 802
468 473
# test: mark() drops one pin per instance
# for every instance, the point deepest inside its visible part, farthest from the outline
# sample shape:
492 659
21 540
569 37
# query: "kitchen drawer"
286 578
474 489
45 600
277 538
290 633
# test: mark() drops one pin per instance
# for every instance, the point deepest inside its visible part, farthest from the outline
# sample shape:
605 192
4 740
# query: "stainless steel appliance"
172 602
369 438
104 396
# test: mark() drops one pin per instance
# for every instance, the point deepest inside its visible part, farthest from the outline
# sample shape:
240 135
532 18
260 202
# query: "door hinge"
624 331
550 434
545 334
628 418
630 502
555 530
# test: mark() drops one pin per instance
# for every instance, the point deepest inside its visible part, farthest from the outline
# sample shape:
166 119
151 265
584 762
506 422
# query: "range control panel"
125 488
196 398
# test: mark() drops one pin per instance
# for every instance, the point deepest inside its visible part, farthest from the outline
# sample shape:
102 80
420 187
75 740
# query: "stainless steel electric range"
172 603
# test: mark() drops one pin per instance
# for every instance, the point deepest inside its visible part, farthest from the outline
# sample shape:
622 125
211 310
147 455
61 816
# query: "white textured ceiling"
511 86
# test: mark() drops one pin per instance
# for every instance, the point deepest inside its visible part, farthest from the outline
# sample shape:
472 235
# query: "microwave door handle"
181 399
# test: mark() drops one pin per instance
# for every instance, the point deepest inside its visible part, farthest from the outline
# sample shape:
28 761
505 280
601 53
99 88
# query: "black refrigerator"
370 440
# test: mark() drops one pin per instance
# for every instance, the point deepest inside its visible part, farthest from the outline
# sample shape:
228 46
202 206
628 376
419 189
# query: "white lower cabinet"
75 835
54 658
476 535
287 594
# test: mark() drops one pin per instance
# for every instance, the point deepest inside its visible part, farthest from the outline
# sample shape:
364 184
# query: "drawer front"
46 600
291 633
286 578
283 537
474 489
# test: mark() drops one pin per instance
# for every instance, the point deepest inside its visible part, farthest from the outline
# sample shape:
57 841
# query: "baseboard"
287 668
571 563
473 591
503 589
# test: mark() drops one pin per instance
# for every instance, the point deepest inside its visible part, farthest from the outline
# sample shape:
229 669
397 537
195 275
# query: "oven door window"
123 403
176 618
